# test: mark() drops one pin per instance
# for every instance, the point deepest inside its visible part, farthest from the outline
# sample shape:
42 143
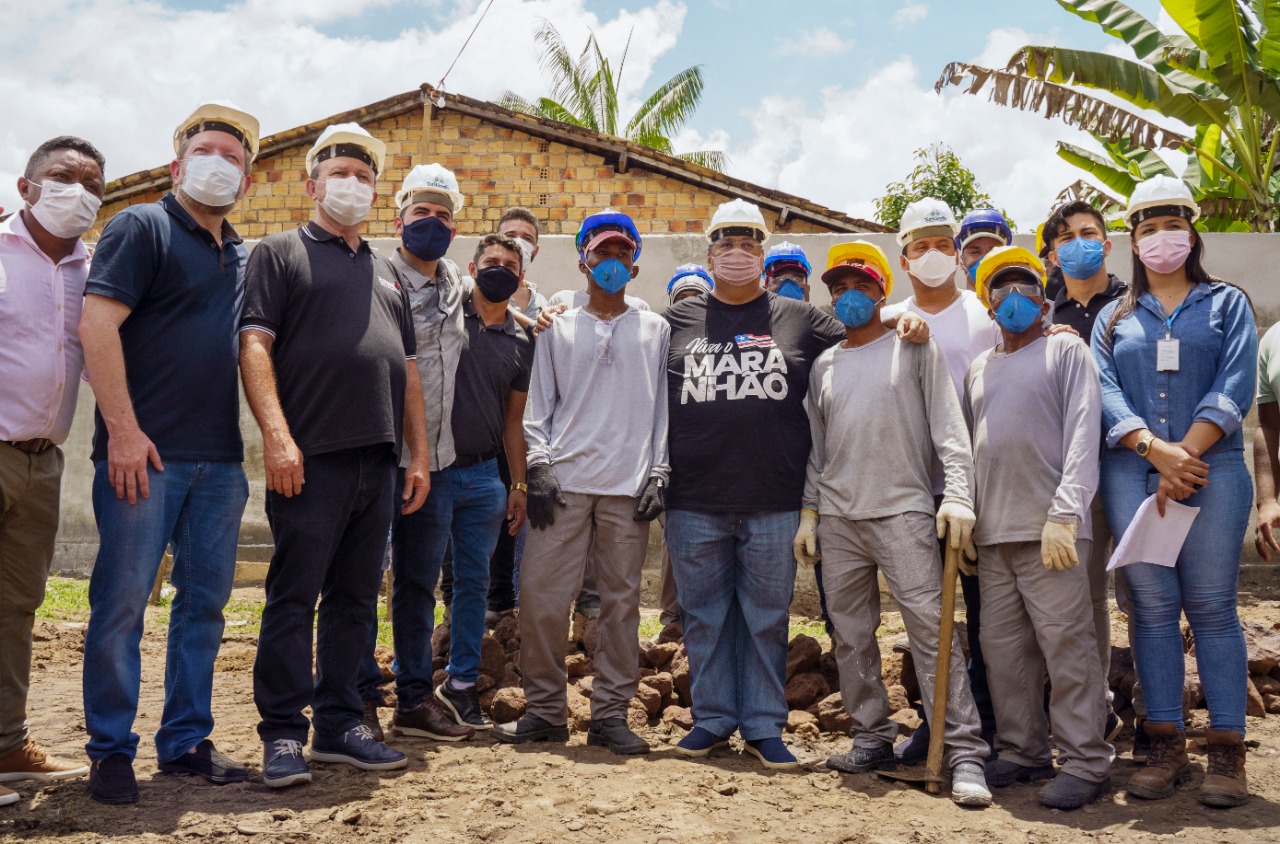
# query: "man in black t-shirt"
327 355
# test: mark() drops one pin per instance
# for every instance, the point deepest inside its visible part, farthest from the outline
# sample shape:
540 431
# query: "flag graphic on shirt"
754 341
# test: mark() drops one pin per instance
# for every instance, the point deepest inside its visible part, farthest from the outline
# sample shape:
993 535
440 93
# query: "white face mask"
212 180
526 251
65 211
347 200
933 268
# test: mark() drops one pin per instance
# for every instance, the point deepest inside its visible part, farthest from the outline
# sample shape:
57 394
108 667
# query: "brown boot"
1224 785
1167 765
371 721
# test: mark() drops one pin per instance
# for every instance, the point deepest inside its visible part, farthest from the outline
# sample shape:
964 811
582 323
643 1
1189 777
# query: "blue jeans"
196 506
1204 585
467 504
735 575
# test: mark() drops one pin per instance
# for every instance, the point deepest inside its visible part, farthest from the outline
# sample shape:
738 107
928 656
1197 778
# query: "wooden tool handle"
942 677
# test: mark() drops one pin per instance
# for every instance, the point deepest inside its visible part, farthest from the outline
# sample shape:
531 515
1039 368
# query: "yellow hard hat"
1002 258
861 255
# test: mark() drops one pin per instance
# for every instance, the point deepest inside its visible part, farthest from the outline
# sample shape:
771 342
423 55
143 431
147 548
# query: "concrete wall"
1252 261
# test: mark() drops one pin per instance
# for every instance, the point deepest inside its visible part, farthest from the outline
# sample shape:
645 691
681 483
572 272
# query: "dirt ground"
484 791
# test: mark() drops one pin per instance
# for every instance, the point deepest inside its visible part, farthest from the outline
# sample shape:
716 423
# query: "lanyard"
1168 320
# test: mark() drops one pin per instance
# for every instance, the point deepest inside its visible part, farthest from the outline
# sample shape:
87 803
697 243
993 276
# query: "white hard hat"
430 179
1156 192
347 139
927 217
221 116
735 214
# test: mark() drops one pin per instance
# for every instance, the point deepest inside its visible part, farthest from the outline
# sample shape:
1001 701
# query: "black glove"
544 494
652 501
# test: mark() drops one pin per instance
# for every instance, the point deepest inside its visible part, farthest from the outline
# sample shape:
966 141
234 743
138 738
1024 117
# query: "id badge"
1166 355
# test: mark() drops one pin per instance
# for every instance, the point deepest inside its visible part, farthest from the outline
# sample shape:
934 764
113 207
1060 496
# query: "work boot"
1003 773
1167 763
1066 791
371 721
530 728
915 749
1224 785
859 760
969 784
614 734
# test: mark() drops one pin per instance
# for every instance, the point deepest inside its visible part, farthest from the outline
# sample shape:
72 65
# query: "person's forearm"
415 416
260 388
1200 437
104 360
514 445
1131 439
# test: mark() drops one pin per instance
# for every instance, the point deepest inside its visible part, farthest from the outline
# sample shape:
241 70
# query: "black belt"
462 461
31 446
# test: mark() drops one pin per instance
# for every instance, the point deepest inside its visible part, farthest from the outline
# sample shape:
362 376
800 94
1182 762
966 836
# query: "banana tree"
1220 76
584 92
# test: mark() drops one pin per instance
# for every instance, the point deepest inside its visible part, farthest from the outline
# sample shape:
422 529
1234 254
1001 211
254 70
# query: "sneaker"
1003 773
7 796
428 720
915 749
111 780
1113 727
463 705
859 760
773 754
358 748
283 763
614 734
207 763
30 762
969 784
371 721
700 742
528 729
1066 791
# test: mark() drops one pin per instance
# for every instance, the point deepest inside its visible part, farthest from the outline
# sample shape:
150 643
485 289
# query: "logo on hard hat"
935 217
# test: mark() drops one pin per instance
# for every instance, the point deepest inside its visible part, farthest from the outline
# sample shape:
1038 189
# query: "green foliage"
938 174
584 92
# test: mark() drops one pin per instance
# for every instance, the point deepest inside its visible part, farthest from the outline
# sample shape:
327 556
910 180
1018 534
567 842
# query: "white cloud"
819 42
121 73
909 15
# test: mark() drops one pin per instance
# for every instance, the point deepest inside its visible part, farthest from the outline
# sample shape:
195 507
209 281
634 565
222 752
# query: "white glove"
956 521
805 545
1058 546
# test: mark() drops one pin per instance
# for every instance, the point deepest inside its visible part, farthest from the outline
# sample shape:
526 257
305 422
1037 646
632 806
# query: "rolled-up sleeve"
1231 396
1118 415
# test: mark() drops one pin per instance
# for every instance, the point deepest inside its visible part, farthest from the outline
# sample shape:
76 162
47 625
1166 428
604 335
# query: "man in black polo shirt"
327 355
1076 236
158 330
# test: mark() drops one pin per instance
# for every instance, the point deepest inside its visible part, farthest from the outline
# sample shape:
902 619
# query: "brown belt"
31 446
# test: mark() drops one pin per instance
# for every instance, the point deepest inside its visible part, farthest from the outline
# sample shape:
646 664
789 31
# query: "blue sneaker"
283 763
773 754
357 747
700 742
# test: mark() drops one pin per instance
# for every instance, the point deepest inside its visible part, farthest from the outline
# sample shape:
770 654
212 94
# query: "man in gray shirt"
875 401
1034 406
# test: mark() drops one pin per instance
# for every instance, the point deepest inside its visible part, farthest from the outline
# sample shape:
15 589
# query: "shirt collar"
1199 290
171 204
1114 288
15 227
317 232
469 309
446 272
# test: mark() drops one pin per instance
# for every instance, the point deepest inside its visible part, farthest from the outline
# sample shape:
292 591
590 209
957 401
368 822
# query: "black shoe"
1003 773
530 728
370 720
859 760
1113 726
111 780
1141 742
1070 792
915 749
210 765
614 734
463 705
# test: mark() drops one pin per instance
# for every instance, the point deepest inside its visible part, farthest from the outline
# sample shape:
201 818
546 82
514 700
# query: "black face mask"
497 284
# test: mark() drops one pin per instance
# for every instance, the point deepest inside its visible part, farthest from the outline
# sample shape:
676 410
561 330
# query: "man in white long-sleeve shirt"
1034 406
596 425
876 401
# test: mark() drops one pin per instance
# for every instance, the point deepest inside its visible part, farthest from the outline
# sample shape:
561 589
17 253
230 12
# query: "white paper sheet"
1152 539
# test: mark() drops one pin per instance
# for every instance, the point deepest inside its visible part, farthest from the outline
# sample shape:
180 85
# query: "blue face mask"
788 289
973 272
611 275
1081 258
1017 313
855 308
427 238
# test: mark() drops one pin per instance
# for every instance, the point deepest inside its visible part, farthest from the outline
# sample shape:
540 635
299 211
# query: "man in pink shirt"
43 267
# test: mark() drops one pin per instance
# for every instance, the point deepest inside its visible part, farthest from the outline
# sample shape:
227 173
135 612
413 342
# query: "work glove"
1058 546
805 545
652 501
956 521
544 494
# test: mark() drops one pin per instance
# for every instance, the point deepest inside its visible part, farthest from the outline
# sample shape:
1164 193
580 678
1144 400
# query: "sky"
824 100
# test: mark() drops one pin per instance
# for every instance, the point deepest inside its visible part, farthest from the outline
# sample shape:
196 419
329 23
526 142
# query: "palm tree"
1220 75
585 93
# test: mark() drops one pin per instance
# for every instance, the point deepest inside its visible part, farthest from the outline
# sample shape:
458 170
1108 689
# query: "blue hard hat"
687 270
786 253
983 222
610 220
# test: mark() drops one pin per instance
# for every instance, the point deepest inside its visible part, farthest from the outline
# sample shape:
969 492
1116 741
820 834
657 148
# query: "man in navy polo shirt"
158 330
327 353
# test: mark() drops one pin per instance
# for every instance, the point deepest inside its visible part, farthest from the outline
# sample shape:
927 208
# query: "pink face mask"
1165 251
737 268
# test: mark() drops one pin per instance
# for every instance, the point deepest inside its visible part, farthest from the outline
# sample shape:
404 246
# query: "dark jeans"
502 565
329 542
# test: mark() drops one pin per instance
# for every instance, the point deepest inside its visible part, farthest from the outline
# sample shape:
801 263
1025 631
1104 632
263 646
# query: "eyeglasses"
723 245
1031 291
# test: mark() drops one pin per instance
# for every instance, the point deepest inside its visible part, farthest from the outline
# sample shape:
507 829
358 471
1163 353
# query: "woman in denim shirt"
1178 358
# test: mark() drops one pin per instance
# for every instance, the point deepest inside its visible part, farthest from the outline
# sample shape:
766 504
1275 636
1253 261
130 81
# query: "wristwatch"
1143 448
520 487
